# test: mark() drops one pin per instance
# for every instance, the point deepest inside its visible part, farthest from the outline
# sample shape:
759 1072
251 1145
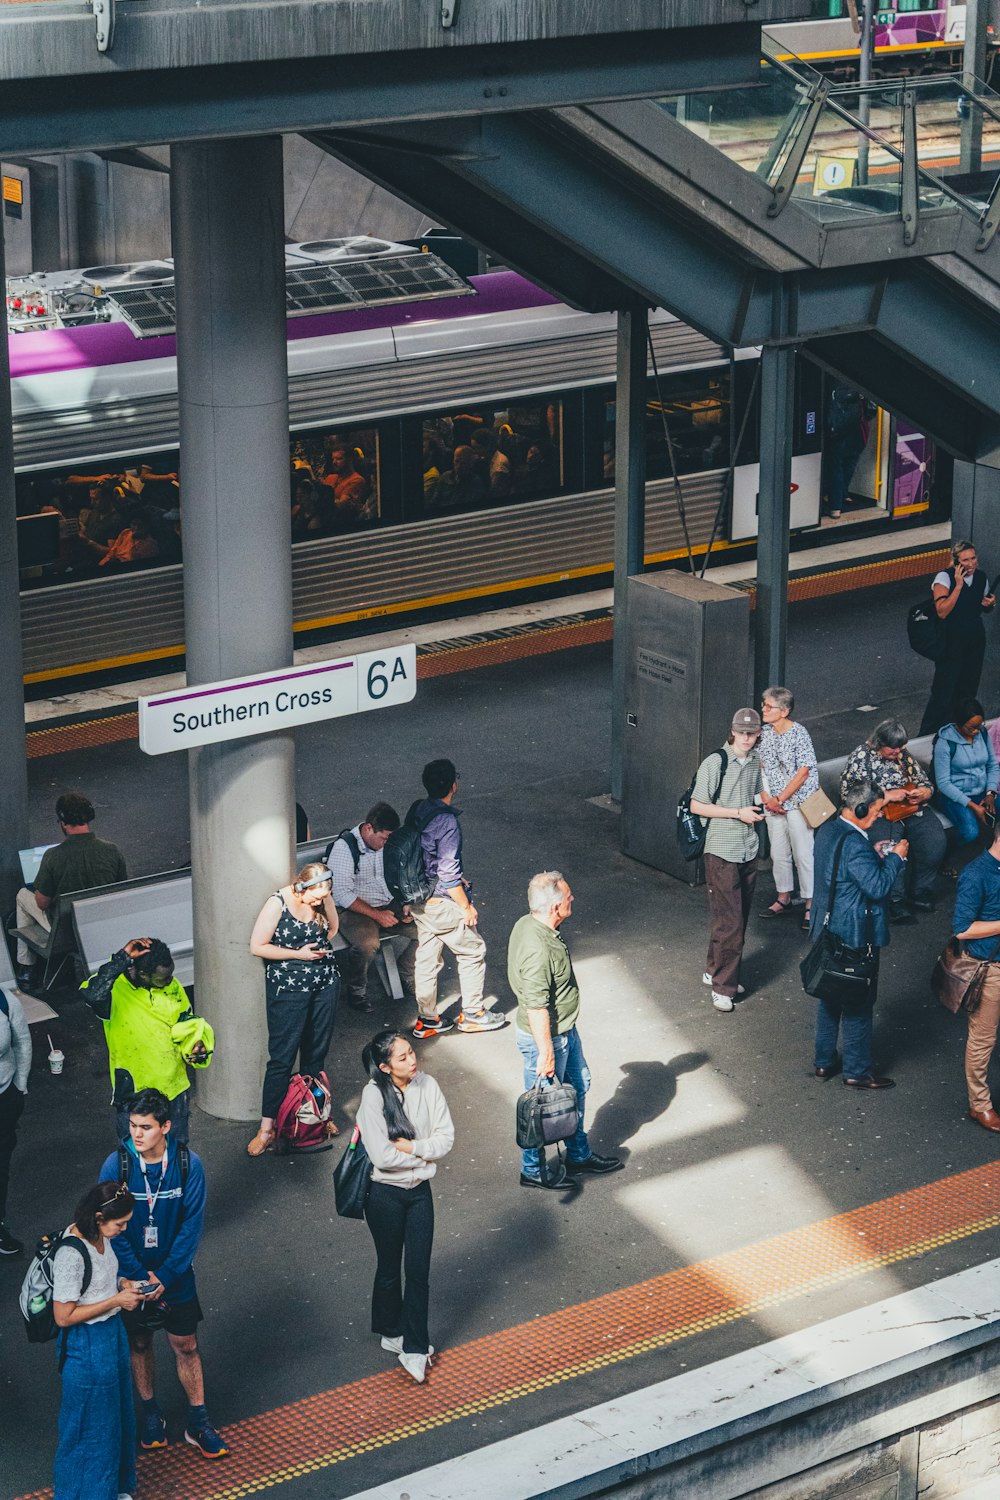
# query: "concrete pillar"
227 227
975 507
777 414
14 781
630 507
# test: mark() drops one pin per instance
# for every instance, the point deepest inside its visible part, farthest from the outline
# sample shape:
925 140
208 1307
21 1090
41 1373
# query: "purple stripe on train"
912 28
115 344
911 484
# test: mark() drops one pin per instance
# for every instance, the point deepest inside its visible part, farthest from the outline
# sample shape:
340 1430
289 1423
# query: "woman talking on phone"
962 595
302 986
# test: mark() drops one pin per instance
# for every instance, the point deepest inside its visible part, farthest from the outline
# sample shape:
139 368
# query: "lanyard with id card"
151 1234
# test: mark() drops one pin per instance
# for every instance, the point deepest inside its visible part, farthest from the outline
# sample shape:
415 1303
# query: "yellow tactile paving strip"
319 1431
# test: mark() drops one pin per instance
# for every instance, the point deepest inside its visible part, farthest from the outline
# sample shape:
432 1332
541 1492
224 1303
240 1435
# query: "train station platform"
756 1201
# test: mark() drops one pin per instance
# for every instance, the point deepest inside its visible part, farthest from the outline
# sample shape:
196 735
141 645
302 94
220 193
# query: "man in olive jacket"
857 907
540 972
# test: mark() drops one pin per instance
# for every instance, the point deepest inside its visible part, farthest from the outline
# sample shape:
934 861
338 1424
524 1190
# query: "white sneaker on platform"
395 1346
415 1365
722 1002
706 978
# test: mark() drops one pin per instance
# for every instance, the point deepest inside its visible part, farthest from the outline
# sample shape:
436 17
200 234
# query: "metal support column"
14 782
866 61
973 67
227 217
630 506
777 415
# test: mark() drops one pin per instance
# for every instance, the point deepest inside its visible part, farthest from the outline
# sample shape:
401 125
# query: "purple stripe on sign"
236 687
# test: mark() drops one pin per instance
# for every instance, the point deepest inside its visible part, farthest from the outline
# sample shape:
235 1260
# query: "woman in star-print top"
292 935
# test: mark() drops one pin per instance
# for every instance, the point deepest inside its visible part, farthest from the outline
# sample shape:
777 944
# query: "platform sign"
834 172
214 712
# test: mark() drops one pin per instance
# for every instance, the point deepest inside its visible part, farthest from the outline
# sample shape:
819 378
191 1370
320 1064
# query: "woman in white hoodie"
406 1129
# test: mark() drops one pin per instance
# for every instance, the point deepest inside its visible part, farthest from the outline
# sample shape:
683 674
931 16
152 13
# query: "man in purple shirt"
447 919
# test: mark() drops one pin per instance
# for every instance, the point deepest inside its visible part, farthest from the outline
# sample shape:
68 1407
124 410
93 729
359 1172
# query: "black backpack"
348 837
925 630
37 1288
183 1161
403 859
691 829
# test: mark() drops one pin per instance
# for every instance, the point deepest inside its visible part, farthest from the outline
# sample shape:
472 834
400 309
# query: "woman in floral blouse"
788 763
292 935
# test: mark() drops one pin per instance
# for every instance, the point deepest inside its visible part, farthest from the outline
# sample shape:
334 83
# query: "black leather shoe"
900 913
921 903
359 1004
556 1179
599 1165
828 1073
871 1082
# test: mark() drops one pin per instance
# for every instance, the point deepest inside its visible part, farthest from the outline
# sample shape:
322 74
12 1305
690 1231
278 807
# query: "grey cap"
746 721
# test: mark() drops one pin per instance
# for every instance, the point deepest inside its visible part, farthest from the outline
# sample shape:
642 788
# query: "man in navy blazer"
858 915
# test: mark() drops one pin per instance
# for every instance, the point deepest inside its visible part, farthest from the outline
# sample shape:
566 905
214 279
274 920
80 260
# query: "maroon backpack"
301 1123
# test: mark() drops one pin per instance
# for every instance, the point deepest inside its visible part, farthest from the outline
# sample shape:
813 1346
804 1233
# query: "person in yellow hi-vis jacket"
151 1030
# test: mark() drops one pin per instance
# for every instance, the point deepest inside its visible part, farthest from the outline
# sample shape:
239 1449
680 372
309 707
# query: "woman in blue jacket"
966 772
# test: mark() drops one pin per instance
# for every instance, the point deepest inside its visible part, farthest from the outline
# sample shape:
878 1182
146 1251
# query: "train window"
492 455
335 482
696 406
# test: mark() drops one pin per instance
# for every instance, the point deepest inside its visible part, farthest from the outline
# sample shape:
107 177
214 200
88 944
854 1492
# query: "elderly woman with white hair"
789 775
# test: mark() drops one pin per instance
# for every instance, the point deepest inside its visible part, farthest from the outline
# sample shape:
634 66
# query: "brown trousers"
730 892
982 1038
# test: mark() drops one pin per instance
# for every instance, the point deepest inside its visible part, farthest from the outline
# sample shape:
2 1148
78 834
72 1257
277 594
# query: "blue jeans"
964 820
95 1459
855 1028
571 1068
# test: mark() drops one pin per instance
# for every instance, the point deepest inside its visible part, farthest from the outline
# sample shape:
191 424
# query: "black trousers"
402 1224
299 1022
956 676
11 1107
927 842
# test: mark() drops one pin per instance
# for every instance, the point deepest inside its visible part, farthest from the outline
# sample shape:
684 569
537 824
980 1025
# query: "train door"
807 443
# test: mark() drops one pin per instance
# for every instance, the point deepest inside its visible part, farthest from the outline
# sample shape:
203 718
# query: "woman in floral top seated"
292 935
788 764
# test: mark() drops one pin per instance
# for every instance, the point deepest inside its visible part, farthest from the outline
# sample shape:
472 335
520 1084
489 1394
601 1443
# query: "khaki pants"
364 935
439 925
981 1041
28 907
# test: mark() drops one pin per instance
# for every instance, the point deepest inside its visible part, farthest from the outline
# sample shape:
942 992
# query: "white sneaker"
722 1002
415 1365
395 1346
706 978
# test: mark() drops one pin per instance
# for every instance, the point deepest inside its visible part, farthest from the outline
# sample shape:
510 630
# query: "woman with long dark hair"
406 1129
95 1459
302 986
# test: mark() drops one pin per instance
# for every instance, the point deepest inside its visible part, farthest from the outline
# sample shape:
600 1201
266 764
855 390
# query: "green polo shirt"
540 972
79 863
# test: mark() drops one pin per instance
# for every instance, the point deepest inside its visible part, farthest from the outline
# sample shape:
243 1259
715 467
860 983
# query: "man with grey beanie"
727 794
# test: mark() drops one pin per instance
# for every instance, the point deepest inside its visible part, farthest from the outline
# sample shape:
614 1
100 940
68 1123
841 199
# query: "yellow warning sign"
13 190
834 172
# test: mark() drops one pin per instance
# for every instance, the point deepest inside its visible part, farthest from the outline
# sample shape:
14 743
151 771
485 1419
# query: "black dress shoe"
554 1179
827 1073
900 913
921 903
871 1082
359 1004
599 1165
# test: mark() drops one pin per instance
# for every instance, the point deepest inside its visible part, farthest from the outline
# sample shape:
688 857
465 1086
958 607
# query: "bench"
161 905
55 945
830 772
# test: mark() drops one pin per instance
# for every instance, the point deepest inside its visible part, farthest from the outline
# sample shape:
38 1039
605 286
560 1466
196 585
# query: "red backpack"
301 1123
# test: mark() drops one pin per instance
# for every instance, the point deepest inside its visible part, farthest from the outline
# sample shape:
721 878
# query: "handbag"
351 1178
834 971
958 978
817 808
547 1113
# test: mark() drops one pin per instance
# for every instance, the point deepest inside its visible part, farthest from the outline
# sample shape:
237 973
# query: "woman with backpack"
966 772
406 1129
95 1459
302 986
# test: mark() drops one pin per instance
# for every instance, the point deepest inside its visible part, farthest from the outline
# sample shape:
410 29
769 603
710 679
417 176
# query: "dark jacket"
864 880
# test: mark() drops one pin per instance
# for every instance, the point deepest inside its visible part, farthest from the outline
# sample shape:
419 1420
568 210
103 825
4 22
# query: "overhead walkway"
857 224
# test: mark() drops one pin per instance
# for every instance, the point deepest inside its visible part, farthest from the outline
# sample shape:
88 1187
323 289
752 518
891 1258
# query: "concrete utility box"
687 672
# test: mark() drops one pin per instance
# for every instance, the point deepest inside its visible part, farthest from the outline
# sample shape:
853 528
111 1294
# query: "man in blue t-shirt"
977 924
158 1249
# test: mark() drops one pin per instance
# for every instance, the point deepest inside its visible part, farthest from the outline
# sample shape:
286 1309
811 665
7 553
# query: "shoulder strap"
346 836
4 1007
123 1172
833 878
88 1270
184 1162
722 773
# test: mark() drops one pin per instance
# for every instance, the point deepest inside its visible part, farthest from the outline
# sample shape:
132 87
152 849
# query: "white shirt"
367 883
67 1277
946 583
425 1108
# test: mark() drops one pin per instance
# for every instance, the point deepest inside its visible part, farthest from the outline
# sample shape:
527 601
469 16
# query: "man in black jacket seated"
857 907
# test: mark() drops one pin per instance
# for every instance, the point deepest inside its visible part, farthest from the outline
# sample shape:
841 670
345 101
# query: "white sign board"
217 711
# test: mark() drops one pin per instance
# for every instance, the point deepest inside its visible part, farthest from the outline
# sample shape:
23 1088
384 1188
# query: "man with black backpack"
366 905
157 1250
446 918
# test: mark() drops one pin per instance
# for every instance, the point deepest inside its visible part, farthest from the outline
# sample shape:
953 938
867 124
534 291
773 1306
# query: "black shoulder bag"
832 970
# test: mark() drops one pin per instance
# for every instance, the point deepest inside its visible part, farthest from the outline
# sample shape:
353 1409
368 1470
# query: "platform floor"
755 1199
